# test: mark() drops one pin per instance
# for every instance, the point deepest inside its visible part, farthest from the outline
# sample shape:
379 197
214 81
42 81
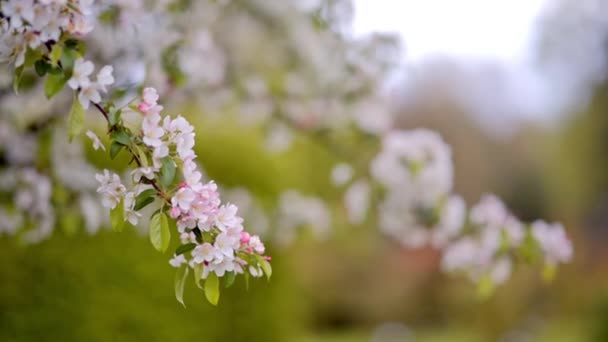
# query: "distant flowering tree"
327 87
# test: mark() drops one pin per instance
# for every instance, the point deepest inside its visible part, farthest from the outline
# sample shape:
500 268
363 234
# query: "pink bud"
143 107
267 258
245 238
183 185
175 212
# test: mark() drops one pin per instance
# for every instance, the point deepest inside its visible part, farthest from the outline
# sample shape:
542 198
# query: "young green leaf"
114 116
212 288
117 217
17 79
160 235
76 120
167 171
121 137
180 281
143 199
230 277
198 274
54 83
184 248
265 266
41 67
115 148
55 54
143 159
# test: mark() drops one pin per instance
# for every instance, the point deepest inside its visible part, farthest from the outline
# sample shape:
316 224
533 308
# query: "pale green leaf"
117 217
180 281
212 288
143 199
56 53
53 84
265 266
76 119
181 249
198 274
160 235
167 171
229 279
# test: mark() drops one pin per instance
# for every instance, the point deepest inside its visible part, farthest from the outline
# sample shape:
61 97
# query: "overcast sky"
505 34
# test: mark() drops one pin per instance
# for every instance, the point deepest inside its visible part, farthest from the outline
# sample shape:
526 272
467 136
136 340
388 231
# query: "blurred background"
518 89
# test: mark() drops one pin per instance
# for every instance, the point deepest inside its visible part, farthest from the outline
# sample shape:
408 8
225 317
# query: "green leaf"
54 83
230 277
198 273
265 266
198 235
67 60
76 45
143 159
114 116
167 171
117 217
121 137
17 79
181 249
76 120
143 199
115 148
212 288
180 281
42 67
160 236
56 53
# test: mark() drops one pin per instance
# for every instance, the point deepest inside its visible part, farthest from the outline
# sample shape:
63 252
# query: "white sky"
462 28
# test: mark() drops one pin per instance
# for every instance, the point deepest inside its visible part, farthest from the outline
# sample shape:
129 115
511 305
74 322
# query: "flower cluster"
32 205
496 237
211 233
486 252
418 208
29 24
415 169
88 91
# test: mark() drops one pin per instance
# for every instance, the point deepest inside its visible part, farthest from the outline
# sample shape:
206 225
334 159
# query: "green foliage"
54 83
143 199
76 119
55 55
212 288
167 172
180 281
160 236
198 273
42 67
113 287
114 116
265 266
121 137
17 78
115 149
229 279
181 249
117 217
